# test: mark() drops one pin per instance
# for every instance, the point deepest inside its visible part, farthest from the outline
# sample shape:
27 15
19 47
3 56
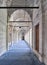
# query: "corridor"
19 54
23 32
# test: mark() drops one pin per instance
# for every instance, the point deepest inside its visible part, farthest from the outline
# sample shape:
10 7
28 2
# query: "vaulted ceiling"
18 3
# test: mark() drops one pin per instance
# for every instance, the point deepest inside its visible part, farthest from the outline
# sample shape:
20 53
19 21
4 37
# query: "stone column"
17 35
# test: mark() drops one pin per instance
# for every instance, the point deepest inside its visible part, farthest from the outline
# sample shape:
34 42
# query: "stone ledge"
38 55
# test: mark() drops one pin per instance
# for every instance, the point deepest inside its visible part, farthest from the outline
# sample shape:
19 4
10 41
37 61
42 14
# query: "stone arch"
20 15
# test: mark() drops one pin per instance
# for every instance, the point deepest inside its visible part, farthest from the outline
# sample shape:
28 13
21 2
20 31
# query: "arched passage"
39 16
20 14
19 23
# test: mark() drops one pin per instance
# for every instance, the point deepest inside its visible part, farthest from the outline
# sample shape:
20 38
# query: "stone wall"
3 23
37 19
40 16
44 22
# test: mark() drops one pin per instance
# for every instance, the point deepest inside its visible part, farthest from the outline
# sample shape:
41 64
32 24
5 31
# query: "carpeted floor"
19 54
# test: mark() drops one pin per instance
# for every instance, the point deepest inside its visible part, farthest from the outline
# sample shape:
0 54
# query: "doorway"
37 37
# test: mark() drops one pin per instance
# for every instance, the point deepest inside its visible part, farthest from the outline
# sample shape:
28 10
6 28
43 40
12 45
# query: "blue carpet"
19 54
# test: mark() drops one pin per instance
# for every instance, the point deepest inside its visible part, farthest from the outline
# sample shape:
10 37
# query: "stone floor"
19 54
